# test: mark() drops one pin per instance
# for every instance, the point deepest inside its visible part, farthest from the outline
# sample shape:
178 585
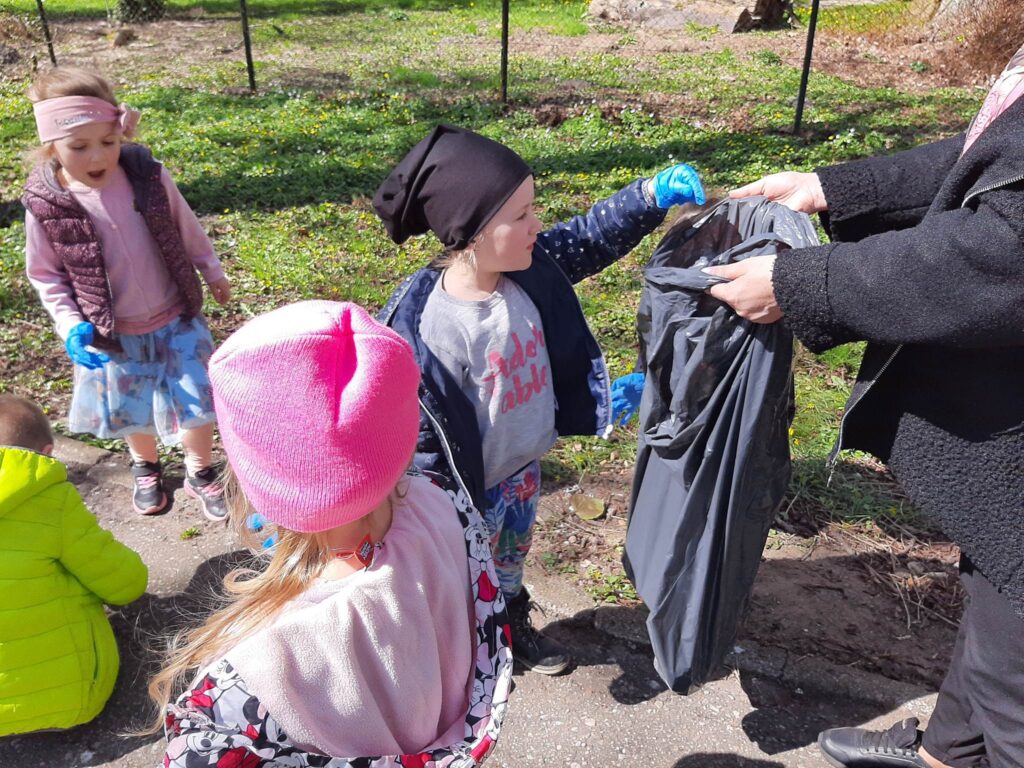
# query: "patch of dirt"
156 52
866 62
886 601
885 606
34 371
565 102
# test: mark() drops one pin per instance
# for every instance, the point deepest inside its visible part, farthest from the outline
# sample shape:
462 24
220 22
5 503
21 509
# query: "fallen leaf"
586 507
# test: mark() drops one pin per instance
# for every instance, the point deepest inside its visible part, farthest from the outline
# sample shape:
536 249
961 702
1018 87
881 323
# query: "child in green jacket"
58 656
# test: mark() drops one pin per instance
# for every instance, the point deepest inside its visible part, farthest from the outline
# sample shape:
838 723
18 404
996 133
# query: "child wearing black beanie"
508 363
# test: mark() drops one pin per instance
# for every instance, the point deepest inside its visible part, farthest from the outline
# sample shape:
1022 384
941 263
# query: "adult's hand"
750 292
798 191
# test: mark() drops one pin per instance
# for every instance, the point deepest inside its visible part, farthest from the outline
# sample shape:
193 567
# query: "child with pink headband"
112 249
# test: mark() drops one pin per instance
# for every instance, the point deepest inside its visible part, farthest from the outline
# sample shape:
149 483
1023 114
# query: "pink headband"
58 118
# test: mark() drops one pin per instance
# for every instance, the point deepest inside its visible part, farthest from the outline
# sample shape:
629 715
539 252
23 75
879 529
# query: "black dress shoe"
861 748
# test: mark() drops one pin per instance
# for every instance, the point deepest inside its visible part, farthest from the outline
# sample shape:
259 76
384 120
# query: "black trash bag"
713 458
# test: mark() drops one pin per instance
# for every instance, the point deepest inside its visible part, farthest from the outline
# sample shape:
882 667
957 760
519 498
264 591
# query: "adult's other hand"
798 191
749 291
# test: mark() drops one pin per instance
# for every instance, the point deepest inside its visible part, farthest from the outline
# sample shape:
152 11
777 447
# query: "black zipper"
974 193
834 455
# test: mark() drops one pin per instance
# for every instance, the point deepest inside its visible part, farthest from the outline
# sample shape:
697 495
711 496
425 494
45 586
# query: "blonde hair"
253 598
465 256
66 81
70 81
23 424
451 258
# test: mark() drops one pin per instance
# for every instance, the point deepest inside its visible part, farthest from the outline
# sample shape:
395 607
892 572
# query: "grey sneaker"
205 487
861 748
148 498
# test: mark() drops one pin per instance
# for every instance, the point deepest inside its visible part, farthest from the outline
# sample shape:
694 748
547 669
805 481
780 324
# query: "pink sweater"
380 662
144 296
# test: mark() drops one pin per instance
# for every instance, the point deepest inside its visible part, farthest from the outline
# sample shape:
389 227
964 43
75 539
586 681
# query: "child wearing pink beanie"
374 625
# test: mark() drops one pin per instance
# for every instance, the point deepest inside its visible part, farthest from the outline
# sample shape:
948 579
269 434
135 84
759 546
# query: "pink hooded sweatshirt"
380 662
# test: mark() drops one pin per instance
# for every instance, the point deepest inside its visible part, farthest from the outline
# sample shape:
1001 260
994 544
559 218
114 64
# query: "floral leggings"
509 517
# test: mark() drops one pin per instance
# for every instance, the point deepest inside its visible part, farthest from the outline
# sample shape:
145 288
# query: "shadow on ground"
792 618
723 760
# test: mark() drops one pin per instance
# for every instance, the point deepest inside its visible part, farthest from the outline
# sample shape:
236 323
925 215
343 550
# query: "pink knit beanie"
318 412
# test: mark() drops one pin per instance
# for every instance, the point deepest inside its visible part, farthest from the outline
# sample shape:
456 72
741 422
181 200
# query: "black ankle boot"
529 647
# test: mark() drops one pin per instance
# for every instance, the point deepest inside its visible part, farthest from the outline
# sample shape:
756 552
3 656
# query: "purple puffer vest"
73 237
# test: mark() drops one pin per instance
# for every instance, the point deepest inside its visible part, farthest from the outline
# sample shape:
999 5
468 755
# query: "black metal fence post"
807 67
248 45
504 51
46 31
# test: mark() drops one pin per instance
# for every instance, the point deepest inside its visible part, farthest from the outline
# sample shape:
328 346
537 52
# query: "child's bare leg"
203 480
198 445
142 447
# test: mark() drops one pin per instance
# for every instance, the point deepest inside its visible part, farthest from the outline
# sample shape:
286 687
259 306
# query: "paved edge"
563 600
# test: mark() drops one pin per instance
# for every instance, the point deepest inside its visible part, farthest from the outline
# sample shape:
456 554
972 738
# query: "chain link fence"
869 17
118 12
902 42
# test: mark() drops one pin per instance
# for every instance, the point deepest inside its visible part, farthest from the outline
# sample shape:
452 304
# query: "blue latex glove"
677 185
78 339
626 391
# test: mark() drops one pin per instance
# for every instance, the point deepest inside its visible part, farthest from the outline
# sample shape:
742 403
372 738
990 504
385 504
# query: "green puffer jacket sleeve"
103 565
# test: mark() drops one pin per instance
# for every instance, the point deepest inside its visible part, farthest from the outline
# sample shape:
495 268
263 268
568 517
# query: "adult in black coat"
926 264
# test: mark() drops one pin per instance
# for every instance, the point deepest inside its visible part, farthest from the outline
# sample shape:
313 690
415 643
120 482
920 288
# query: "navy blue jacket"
927 265
449 448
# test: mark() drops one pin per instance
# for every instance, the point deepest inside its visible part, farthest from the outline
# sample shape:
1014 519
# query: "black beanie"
451 183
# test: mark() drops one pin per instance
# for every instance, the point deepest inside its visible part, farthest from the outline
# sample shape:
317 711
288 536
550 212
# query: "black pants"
979 717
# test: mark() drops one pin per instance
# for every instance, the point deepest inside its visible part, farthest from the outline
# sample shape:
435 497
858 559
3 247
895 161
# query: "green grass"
283 178
613 588
861 18
562 16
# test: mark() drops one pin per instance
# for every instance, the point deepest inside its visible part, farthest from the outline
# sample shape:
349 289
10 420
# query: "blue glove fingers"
78 338
630 384
685 186
693 181
626 392
635 383
677 185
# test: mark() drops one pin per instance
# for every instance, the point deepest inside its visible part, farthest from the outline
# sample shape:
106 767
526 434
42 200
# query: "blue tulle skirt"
158 385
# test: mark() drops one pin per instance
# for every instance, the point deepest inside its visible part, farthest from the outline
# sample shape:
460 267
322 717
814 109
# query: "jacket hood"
25 473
